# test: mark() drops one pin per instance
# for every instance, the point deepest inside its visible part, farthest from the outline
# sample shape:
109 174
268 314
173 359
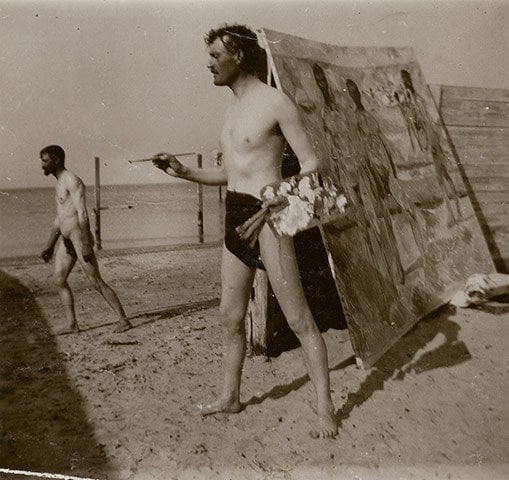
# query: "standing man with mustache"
258 125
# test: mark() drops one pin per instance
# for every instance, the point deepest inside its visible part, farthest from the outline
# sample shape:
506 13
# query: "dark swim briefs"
239 208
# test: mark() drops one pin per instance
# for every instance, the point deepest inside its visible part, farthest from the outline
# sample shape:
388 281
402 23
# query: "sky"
122 80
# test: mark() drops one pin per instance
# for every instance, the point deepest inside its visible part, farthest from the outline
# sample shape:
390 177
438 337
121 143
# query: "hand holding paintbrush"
165 161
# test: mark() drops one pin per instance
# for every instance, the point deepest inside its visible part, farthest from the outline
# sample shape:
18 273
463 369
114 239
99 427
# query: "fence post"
200 202
218 162
97 209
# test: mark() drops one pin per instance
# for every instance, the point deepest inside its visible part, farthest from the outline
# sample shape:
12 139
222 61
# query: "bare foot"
220 406
67 330
327 426
123 325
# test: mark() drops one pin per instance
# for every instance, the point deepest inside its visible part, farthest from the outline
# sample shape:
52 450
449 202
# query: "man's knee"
94 278
96 284
232 318
302 322
60 279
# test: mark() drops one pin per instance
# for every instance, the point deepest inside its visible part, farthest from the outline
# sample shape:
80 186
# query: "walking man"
257 125
76 242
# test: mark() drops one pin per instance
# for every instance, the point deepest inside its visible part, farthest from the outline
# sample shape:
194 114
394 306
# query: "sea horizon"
89 186
132 215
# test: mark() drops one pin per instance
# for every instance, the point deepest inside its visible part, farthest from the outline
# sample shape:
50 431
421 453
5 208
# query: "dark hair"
55 152
237 38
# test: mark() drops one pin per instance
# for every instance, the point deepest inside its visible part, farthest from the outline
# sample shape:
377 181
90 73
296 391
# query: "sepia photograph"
250 240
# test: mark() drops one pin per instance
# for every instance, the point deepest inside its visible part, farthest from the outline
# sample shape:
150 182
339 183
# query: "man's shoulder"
275 98
71 179
273 92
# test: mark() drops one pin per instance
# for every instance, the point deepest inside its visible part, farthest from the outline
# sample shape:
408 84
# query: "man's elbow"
309 165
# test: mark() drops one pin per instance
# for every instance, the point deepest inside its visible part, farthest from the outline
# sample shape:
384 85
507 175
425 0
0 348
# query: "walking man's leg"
91 269
64 262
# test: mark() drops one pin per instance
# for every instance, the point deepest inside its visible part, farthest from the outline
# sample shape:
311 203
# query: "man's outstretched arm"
208 176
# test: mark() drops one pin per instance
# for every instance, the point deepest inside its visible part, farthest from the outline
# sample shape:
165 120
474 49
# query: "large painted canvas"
411 237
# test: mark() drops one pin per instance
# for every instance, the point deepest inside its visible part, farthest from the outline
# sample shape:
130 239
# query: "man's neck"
58 172
243 84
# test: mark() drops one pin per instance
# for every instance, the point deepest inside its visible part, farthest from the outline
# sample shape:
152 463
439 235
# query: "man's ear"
239 57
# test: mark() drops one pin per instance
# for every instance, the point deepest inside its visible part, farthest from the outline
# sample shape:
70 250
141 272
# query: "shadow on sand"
399 360
396 363
280 391
44 425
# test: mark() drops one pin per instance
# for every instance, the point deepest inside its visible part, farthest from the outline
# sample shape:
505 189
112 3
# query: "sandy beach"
124 406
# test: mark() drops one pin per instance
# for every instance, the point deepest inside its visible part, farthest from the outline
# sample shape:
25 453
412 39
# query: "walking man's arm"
47 253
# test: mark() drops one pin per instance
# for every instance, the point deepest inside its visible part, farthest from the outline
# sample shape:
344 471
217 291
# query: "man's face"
49 165
222 64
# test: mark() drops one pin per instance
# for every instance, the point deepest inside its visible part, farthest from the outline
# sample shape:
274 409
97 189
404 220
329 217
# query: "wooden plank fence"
477 122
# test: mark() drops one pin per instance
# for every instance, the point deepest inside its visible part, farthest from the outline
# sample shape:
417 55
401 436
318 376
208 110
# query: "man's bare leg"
278 256
236 283
91 269
64 262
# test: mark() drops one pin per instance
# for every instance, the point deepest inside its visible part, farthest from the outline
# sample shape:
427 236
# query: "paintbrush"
139 160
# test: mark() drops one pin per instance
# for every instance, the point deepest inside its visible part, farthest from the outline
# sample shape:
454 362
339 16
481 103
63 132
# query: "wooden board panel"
487 170
483 152
496 211
371 119
491 184
478 113
257 327
486 197
476 147
475 93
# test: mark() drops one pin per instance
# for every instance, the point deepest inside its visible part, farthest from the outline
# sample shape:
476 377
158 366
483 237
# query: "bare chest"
62 196
248 128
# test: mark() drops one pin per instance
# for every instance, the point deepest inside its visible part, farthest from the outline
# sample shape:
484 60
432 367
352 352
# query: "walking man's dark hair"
54 151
